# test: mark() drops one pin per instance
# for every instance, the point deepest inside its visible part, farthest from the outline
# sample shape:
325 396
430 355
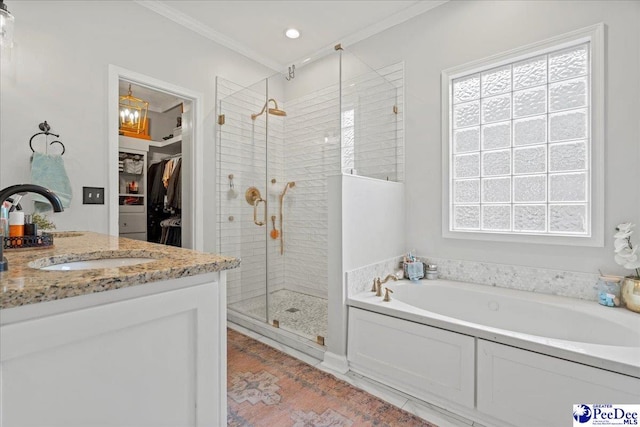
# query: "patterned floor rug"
267 388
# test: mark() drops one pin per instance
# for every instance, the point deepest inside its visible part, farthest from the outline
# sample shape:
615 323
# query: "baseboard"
335 362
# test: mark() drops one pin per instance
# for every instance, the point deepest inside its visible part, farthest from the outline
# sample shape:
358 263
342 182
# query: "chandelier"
133 113
6 26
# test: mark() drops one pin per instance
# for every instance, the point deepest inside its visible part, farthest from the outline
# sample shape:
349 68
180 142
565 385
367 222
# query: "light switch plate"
93 195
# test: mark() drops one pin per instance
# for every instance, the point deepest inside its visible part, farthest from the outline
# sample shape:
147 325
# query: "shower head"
277 112
273 111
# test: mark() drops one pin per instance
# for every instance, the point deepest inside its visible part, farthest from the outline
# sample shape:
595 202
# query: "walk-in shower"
337 116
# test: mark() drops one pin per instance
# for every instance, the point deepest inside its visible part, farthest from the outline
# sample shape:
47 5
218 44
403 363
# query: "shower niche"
278 141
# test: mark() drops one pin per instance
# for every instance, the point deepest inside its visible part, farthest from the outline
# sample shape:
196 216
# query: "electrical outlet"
93 195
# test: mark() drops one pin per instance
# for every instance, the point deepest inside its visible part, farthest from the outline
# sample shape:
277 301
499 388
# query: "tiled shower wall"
304 147
312 147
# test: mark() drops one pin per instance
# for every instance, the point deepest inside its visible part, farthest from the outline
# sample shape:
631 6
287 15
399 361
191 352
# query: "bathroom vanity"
143 344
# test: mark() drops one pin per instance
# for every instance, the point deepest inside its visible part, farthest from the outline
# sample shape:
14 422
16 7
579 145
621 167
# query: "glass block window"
519 145
348 129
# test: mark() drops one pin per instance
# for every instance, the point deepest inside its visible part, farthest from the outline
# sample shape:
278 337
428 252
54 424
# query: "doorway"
125 194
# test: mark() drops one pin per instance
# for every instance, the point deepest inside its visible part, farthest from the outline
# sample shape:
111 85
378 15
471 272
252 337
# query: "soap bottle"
4 219
4 232
16 227
30 228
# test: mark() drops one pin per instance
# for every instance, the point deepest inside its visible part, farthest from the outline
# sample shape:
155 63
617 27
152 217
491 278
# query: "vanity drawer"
133 223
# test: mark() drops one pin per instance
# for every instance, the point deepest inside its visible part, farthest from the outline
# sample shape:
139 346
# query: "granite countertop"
23 284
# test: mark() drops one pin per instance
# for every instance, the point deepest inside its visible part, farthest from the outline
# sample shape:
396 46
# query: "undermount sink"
97 263
94 260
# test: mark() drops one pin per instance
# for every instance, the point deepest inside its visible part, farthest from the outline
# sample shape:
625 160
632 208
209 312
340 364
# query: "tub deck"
606 338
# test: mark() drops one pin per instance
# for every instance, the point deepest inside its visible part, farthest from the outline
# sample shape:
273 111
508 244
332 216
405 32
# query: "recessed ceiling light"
292 33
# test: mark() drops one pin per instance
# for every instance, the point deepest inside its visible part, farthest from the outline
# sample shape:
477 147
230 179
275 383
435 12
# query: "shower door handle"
255 211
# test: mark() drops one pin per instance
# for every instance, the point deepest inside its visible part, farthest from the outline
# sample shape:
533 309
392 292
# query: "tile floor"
299 313
428 412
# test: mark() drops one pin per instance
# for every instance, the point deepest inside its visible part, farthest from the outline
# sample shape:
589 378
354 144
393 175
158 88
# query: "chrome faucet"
5 193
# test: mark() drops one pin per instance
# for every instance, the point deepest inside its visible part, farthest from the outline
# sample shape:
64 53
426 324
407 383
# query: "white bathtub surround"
533 279
361 279
540 280
492 354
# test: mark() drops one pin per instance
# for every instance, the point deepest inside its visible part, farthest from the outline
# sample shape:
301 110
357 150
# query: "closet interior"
150 170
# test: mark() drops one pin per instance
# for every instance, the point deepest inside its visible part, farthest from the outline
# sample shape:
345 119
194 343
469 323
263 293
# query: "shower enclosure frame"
268 100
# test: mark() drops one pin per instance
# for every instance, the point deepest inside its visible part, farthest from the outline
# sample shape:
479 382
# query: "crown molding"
404 15
420 7
198 27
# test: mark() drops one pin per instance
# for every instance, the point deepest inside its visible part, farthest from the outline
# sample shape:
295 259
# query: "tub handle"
255 211
387 297
376 286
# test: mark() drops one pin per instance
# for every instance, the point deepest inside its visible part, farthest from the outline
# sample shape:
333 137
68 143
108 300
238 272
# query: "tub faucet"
5 193
377 287
387 297
390 277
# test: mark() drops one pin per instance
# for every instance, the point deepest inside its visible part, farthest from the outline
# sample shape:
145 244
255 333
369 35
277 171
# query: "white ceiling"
256 28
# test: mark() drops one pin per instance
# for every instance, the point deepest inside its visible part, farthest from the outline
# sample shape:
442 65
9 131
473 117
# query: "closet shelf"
166 142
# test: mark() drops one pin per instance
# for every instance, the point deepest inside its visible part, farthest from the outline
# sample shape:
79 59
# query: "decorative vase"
630 292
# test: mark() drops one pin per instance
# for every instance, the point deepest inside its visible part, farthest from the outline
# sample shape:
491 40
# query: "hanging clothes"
172 231
174 187
164 181
157 190
155 201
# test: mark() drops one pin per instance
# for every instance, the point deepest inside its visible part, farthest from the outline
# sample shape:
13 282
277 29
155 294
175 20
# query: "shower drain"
292 310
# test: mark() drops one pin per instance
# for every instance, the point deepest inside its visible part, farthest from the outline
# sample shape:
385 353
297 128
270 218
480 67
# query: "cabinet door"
423 361
151 361
132 223
530 390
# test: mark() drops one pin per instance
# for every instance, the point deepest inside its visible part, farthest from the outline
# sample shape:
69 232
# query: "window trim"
593 34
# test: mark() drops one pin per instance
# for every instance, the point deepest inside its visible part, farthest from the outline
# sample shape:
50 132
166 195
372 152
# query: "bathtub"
493 354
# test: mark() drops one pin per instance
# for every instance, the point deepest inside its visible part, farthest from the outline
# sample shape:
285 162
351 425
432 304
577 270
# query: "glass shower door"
242 196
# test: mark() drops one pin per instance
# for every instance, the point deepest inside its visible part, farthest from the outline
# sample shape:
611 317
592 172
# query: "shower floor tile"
300 313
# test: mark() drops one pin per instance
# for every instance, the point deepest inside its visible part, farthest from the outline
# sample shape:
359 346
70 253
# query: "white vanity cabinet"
150 355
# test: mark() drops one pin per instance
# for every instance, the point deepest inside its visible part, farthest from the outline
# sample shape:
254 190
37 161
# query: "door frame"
195 180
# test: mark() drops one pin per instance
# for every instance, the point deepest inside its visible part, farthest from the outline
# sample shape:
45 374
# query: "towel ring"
51 143
59 142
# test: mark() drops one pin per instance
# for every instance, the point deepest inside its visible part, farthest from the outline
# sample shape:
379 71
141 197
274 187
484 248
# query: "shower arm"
264 108
255 116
